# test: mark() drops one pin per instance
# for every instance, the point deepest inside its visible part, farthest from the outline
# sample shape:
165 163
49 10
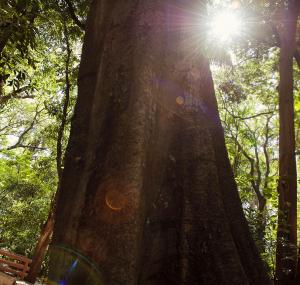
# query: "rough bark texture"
147 191
286 250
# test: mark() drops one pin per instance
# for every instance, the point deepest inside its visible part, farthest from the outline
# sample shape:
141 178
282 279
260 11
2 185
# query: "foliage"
32 96
27 182
247 95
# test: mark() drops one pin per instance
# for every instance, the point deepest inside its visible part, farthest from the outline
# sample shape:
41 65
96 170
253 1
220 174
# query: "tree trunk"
40 249
286 249
147 193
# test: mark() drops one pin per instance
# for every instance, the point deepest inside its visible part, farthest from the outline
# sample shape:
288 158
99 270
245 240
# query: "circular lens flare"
69 267
225 26
115 200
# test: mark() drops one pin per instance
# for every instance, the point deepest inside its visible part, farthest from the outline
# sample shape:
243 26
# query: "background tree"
286 254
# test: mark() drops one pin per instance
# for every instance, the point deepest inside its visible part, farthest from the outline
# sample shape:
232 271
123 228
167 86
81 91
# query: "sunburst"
225 26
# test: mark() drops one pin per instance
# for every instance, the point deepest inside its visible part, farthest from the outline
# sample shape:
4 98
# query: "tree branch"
252 116
17 94
265 149
72 13
23 134
32 147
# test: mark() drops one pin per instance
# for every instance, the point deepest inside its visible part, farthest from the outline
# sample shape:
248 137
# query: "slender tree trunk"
40 249
261 223
47 230
286 251
147 192
66 101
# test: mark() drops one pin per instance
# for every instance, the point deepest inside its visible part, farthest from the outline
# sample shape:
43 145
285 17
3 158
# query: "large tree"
147 192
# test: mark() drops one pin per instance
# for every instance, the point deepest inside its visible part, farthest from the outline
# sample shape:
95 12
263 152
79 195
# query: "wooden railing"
14 264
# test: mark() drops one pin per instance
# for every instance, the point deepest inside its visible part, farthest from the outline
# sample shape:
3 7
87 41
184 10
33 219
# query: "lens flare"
115 200
180 100
69 267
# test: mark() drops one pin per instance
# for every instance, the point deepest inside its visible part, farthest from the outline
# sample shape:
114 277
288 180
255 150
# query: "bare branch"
252 116
32 147
23 134
16 94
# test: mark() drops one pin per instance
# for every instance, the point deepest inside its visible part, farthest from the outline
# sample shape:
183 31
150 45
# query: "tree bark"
147 191
286 248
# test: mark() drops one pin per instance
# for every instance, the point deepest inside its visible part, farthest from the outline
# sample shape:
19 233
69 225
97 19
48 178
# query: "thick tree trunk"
286 251
147 191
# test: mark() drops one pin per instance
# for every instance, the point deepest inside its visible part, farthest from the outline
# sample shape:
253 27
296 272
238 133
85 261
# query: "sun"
225 26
